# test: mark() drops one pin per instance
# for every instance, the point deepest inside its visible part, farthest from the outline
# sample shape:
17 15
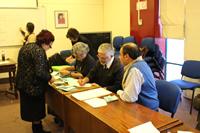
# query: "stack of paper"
56 75
96 102
66 88
58 83
74 82
147 127
91 94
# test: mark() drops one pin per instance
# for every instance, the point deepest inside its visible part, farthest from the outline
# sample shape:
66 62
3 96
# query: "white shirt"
31 38
132 85
108 64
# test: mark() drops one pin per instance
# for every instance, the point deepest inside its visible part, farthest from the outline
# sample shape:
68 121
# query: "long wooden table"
55 99
117 116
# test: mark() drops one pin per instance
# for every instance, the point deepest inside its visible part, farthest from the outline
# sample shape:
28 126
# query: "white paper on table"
54 73
84 95
147 127
66 88
56 77
96 102
71 81
184 132
74 82
57 83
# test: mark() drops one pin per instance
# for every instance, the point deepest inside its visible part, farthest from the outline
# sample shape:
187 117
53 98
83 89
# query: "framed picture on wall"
61 19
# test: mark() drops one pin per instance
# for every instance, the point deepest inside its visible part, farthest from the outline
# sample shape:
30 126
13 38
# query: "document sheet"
91 94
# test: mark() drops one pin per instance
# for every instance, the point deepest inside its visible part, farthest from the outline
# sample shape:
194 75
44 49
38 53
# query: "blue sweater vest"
148 95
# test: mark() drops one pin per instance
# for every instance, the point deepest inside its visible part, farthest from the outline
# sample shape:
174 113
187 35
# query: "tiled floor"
10 121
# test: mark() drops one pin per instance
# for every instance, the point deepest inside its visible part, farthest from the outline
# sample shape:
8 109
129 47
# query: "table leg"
12 90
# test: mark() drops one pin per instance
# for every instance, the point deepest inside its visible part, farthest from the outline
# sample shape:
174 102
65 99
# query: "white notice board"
12 19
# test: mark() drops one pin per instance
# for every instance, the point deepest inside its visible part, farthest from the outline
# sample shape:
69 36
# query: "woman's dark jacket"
33 70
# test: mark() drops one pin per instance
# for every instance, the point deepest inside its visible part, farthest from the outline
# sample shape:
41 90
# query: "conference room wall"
85 15
117 17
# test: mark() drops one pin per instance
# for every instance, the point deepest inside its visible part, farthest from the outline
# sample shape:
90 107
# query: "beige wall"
192 28
85 15
117 17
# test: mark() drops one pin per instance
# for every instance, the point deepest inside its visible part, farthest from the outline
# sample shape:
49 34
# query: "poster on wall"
61 19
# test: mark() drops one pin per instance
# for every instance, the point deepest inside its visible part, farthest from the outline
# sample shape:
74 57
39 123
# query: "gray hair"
106 48
80 47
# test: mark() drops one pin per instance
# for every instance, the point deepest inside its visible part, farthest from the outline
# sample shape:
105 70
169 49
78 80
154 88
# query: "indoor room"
164 33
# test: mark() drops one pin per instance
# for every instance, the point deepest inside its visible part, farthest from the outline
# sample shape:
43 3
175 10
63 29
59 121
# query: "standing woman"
30 36
32 79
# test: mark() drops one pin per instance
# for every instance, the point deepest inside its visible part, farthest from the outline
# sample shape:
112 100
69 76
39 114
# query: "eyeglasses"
103 57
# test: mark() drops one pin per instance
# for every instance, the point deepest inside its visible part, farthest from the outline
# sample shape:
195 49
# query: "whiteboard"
12 19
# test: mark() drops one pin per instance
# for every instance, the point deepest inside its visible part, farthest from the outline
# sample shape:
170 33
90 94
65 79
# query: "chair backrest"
169 96
117 42
65 53
191 69
129 39
147 41
56 60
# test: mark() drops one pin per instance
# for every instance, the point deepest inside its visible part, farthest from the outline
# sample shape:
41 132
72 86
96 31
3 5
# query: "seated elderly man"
138 82
108 71
84 61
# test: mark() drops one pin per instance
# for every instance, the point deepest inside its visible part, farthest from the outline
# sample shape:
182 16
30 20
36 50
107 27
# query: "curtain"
172 13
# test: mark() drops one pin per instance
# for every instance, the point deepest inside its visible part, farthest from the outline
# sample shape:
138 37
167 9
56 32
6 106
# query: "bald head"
131 49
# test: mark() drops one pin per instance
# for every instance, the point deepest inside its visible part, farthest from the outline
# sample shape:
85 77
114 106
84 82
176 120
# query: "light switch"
143 5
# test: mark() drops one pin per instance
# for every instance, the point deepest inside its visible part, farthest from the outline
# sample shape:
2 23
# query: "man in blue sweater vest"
138 82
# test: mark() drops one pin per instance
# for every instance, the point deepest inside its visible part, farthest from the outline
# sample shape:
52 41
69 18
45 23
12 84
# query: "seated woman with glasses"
84 61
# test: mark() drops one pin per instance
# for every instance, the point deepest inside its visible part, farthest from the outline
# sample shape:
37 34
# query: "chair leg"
172 115
192 101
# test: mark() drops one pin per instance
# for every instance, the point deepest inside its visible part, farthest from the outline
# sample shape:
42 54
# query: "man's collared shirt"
108 64
132 84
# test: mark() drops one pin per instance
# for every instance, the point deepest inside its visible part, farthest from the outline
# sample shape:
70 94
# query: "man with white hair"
138 82
108 71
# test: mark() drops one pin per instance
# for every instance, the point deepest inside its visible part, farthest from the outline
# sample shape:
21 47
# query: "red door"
150 24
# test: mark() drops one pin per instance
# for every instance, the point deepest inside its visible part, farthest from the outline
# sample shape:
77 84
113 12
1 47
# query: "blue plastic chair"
129 39
117 43
65 53
148 41
169 96
191 69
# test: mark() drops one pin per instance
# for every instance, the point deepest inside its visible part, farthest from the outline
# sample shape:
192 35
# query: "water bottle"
3 55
